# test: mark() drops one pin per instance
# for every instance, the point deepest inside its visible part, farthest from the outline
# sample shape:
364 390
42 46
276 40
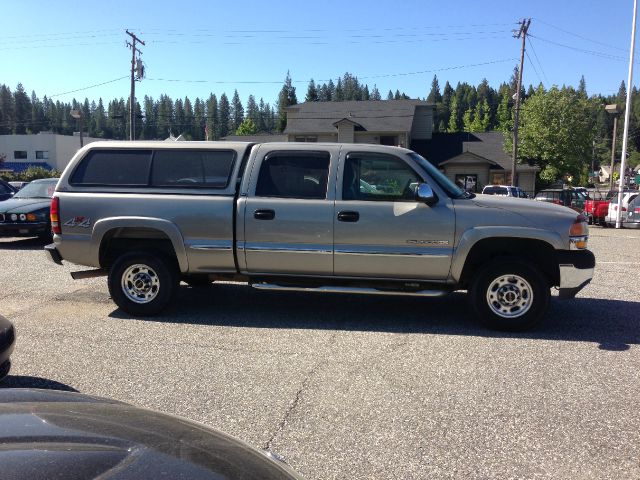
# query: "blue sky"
194 48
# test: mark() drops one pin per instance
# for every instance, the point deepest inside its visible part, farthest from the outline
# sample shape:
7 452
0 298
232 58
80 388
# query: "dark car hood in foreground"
24 205
47 434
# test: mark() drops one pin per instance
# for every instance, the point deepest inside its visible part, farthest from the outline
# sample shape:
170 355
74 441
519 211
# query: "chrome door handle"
348 216
264 214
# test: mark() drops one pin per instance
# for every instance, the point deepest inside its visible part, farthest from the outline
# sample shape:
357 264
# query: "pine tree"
434 95
237 111
189 126
582 87
397 95
312 92
213 122
331 91
454 125
22 110
339 95
6 110
504 113
224 114
375 93
252 110
263 115
199 119
286 98
467 121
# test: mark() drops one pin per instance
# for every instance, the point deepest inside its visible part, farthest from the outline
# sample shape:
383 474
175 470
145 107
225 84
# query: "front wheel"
142 284
510 295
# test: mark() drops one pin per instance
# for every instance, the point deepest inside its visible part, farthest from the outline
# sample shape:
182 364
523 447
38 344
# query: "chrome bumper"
576 271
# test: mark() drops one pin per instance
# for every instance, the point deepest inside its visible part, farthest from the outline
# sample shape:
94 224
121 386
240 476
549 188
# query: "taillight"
55 216
637 210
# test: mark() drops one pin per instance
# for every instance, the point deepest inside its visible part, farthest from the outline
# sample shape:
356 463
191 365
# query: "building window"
20 155
500 178
307 138
467 181
389 140
42 155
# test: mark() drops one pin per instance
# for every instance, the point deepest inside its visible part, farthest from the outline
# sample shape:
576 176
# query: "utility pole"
522 33
132 98
625 135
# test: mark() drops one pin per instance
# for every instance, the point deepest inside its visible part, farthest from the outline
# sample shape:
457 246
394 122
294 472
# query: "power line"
90 86
581 36
590 52
533 65
538 60
367 77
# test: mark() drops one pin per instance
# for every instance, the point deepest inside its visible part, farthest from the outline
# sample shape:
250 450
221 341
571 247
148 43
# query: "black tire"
520 295
142 283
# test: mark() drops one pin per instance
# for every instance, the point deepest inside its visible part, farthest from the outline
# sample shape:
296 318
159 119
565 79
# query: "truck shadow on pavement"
21 381
23 244
612 324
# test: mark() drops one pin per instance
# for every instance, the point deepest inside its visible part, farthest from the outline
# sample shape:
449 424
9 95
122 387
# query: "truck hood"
24 205
525 207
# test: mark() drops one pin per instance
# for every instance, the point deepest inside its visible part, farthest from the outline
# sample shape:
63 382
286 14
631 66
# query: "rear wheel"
510 295
142 283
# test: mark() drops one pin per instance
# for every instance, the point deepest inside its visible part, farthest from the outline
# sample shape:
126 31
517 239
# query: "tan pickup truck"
347 218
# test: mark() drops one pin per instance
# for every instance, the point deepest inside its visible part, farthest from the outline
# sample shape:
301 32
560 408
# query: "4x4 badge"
84 222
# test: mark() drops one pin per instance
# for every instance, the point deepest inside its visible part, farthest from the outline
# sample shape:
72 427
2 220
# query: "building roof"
18 167
370 115
445 146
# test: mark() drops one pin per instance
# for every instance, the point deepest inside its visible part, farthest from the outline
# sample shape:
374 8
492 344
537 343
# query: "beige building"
45 149
383 122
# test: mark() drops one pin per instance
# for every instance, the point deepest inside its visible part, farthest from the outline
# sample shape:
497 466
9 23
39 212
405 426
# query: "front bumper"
576 271
23 229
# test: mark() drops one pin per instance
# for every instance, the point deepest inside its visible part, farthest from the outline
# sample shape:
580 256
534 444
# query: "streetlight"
77 114
615 111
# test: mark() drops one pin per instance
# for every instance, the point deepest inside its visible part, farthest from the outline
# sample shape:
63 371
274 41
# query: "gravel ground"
351 387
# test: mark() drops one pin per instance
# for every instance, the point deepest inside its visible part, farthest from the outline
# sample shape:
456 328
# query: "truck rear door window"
192 168
113 167
294 175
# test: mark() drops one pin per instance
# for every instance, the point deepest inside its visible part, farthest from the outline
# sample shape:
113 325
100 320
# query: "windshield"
38 189
440 178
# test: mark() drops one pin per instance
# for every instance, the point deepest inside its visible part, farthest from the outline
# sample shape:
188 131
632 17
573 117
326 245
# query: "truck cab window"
302 175
378 177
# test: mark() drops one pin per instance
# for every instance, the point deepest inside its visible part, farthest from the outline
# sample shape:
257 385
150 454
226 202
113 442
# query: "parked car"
18 185
569 197
27 213
7 190
632 219
504 191
627 197
49 434
7 344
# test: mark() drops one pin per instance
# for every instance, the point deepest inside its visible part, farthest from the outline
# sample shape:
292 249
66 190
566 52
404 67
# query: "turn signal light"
579 233
55 216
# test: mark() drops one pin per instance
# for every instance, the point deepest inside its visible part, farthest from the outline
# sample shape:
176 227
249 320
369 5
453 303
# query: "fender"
473 235
102 226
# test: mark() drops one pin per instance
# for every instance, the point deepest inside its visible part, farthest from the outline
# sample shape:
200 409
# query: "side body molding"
102 226
473 235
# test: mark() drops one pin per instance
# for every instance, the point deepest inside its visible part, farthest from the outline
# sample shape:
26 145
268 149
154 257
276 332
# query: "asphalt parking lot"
351 387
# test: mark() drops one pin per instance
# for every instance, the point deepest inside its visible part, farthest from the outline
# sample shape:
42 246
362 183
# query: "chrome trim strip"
369 291
278 247
222 245
395 251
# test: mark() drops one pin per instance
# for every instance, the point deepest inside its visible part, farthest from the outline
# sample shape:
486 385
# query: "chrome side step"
339 289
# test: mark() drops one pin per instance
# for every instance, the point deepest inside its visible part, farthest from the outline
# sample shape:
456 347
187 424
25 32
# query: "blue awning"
19 167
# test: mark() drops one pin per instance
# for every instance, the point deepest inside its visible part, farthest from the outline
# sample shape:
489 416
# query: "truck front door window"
376 177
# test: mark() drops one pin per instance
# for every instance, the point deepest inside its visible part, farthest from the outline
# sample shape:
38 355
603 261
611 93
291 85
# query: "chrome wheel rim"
140 283
510 296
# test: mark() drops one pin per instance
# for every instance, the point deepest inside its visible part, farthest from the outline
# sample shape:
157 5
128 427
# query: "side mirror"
425 194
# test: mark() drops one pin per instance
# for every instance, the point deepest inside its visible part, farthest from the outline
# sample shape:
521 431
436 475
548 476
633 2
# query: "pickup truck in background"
347 218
